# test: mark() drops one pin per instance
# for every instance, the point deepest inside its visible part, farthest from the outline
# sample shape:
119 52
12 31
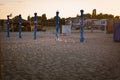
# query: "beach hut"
117 31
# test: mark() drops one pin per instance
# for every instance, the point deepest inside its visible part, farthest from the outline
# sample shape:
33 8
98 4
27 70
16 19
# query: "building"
88 23
74 22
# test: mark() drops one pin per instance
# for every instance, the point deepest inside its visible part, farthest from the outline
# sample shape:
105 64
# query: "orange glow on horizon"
67 8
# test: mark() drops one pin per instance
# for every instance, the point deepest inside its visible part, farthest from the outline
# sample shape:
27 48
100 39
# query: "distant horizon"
66 8
54 16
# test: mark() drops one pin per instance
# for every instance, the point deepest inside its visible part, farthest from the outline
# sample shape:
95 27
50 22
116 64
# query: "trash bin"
116 34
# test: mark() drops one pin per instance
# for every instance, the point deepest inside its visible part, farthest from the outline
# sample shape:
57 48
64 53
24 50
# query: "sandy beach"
97 58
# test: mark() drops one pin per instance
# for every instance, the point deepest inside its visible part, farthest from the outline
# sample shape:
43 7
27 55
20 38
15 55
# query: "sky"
66 8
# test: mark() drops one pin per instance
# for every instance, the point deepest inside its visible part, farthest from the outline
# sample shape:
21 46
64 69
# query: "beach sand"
97 58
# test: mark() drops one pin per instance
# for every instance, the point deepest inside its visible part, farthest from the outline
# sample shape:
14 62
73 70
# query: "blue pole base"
8 33
34 38
82 40
35 35
20 36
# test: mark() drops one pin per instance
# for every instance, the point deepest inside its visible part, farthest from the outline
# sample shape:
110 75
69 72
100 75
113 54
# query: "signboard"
104 22
66 29
100 22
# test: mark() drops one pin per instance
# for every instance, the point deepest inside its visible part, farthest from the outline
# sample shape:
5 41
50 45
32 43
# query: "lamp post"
35 25
81 27
19 28
57 25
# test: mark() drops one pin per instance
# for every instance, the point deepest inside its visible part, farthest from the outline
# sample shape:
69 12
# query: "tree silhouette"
117 17
28 18
94 13
88 15
44 20
77 15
